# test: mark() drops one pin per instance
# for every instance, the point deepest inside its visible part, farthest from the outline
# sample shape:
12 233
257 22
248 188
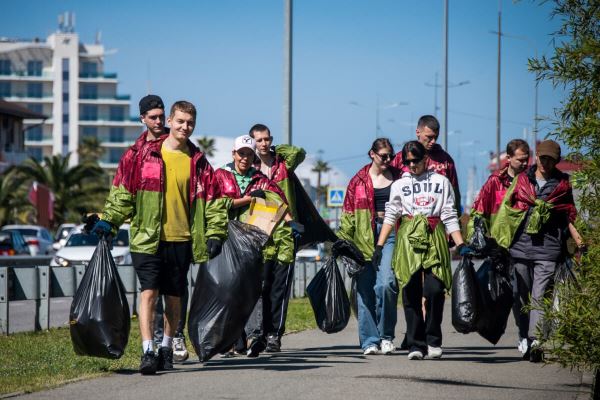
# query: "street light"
437 85
377 109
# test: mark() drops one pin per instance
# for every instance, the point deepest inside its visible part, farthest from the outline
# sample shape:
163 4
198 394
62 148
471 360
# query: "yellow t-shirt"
176 204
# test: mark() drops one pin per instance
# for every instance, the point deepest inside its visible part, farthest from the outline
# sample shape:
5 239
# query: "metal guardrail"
31 278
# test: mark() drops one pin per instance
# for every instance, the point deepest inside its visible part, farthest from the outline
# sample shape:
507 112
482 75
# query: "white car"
62 233
38 238
313 253
80 246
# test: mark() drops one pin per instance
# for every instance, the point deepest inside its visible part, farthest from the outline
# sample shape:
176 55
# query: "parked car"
80 246
60 238
12 243
312 253
38 238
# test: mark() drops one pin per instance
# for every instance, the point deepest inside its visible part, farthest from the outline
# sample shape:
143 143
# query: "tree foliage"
90 150
207 145
575 66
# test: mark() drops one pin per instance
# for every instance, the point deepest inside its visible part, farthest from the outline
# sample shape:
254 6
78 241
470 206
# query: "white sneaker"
415 355
371 350
523 347
387 347
434 352
180 352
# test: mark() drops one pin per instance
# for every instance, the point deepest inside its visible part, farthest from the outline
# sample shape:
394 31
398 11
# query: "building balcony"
107 121
40 143
29 98
48 121
98 77
117 99
123 144
22 76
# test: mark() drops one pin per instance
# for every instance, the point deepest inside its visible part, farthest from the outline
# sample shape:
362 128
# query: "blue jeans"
377 293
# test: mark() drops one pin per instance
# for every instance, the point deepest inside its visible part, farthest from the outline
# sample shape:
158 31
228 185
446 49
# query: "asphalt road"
314 365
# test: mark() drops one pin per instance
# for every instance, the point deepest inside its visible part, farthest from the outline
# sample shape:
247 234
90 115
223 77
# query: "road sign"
335 196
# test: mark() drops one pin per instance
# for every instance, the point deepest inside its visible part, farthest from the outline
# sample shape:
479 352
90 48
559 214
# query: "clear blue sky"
226 56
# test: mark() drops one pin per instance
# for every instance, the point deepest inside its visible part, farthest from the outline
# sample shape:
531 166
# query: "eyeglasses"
412 161
386 156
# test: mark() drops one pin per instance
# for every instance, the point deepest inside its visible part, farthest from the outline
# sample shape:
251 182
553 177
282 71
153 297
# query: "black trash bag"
479 241
564 276
315 229
99 320
465 298
329 299
349 256
496 298
226 290
354 297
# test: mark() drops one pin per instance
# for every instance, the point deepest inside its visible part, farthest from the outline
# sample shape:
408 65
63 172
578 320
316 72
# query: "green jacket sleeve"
292 155
347 226
217 217
121 201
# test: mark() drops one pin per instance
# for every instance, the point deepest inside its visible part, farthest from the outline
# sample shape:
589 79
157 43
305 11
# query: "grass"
40 360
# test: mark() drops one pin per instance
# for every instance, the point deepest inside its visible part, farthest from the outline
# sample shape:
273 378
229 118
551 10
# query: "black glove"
214 247
297 229
90 222
376 259
464 250
258 193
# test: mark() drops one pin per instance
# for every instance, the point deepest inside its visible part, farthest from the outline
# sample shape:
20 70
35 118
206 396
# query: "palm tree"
12 207
76 190
320 167
207 145
90 149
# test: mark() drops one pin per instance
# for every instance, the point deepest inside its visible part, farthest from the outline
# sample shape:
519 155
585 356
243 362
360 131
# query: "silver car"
38 238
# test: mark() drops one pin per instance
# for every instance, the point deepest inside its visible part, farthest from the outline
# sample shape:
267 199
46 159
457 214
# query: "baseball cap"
150 102
549 148
244 141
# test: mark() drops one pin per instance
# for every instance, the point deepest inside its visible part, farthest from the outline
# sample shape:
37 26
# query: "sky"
349 56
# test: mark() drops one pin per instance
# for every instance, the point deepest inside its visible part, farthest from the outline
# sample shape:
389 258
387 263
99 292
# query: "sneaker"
165 358
404 344
180 352
536 353
524 348
273 344
255 348
371 350
228 354
149 363
387 347
434 352
415 355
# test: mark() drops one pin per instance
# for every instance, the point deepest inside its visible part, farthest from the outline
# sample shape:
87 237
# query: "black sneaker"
255 348
536 353
149 363
165 358
273 344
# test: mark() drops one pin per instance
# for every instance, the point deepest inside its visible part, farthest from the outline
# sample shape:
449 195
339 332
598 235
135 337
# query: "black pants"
272 308
421 333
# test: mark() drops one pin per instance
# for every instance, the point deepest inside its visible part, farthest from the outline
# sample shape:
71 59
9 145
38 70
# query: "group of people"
400 212
179 206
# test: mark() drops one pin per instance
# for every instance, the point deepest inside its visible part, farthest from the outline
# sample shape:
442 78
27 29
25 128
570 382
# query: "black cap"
150 102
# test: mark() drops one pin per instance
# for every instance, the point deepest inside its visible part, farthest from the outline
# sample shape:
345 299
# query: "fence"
31 278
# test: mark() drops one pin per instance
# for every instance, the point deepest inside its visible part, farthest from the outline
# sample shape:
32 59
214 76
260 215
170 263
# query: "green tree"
76 189
90 150
320 168
575 66
12 207
207 145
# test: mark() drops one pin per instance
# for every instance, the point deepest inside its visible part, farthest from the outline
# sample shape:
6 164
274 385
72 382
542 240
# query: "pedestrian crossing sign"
335 196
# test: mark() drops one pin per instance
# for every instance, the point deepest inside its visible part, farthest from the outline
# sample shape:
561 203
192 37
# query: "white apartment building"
65 80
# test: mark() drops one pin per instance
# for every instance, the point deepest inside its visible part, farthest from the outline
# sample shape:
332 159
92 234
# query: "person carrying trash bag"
536 213
239 183
361 222
424 200
166 188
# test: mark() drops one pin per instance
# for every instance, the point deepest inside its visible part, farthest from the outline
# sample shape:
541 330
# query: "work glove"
297 229
464 250
214 247
102 229
258 193
376 259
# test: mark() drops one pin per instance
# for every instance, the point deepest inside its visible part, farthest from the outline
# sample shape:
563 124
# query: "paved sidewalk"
315 365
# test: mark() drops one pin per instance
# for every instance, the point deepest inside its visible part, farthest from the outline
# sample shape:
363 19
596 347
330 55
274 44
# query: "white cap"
244 141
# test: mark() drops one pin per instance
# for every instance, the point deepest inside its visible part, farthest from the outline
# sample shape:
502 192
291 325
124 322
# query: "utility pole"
445 137
287 72
498 88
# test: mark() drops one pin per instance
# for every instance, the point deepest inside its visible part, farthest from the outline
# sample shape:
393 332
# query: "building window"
35 133
34 89
89 69
114 155
65 69
35 152
116 113
89 91
89 113
34 68
90 131
36 107
5 89
116 135
5 67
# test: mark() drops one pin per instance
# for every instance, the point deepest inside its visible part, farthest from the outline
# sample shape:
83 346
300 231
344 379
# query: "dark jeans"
423 332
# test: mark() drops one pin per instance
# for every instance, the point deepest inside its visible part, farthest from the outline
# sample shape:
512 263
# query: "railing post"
4 300
42 309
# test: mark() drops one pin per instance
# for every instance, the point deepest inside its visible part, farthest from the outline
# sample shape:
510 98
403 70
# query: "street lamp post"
287 73
378 108
435 85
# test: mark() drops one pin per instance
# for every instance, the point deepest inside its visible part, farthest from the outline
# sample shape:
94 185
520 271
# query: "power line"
489 118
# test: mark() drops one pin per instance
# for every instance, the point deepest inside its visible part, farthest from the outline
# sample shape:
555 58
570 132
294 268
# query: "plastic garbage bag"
99 320
496 298
465 298
227 288
564 276
479 241
329 299
349 256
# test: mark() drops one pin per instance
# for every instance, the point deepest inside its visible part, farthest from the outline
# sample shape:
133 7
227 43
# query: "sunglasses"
412 161
386 157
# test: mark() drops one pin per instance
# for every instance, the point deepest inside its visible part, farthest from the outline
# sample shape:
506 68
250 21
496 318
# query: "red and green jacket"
137 193
489 199
358 212
285 160
280 245
521 197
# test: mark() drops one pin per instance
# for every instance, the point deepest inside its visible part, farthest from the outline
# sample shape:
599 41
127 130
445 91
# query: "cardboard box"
265 214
